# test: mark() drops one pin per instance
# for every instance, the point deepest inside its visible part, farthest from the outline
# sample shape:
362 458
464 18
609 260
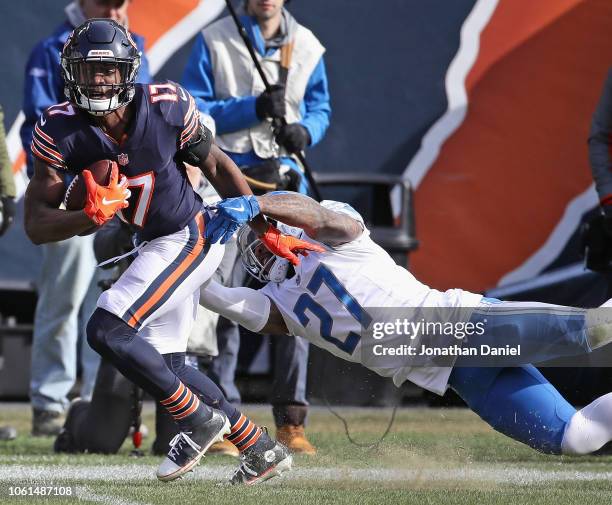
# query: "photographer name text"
453 350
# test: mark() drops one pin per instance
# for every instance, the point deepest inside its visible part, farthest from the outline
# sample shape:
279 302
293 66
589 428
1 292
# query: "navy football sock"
199 383
244 432
140 362
185 407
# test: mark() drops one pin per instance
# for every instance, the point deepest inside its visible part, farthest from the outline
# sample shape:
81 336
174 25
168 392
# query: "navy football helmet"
99 64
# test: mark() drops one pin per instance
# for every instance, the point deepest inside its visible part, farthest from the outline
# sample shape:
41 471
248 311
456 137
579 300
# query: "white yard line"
510 475
84 493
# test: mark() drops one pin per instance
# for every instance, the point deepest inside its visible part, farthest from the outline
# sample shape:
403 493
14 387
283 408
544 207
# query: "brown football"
74 199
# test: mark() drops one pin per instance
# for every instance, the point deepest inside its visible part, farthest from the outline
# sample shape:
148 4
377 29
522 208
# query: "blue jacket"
239 112
44 84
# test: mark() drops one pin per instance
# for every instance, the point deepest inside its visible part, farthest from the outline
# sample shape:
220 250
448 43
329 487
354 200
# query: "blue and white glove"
230 215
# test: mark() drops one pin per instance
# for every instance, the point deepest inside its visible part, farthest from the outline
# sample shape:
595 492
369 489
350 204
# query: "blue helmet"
100 46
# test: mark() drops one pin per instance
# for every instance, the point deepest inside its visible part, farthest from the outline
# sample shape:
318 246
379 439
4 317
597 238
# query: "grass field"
430 456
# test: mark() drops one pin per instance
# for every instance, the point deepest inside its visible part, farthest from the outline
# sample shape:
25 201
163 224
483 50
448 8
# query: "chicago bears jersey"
326 300
165 118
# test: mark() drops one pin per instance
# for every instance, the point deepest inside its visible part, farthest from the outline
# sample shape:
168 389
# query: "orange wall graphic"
503 180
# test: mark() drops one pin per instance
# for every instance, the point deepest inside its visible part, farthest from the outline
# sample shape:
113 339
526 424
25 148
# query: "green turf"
432 448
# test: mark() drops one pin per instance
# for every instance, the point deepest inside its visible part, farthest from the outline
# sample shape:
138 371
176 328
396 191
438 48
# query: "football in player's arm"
46 222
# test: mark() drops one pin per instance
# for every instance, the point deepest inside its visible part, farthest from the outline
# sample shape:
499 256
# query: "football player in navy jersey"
150 131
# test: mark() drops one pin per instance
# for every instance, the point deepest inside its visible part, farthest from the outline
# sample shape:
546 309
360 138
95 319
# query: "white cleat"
187 448
264 460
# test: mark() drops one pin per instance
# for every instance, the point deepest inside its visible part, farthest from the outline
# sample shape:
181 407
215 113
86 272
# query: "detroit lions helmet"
258 261
99 64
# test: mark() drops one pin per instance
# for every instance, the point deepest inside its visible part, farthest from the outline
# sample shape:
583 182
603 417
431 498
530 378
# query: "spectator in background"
7 212
597 233
600 154
67 284
7 182
224 81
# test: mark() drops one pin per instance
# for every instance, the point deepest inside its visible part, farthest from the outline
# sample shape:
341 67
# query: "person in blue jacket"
222 77
66 288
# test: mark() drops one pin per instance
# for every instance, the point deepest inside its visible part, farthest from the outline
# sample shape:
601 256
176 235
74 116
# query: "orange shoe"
225 448
295 439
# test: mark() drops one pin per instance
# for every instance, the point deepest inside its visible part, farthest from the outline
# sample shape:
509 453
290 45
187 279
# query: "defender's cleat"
262 461
295 439
187 448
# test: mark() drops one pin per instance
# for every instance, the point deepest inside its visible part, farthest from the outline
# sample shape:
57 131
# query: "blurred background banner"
484 106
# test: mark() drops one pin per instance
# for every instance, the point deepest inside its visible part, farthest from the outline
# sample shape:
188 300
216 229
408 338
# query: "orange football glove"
102 202
285 245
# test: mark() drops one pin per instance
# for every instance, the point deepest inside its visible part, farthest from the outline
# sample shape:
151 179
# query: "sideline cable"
373 445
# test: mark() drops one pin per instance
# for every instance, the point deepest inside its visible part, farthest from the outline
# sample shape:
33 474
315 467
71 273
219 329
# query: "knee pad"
104 330
96 331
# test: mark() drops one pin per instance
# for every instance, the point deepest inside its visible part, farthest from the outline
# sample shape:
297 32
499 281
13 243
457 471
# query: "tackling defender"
325 299
150 130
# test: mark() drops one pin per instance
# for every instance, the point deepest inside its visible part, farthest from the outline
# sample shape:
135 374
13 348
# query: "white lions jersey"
323 302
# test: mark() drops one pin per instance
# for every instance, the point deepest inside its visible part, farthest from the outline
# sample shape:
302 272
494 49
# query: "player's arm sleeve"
246 306
41 85
600 154
231 114
194 139
316 106
44 146
144 73
7 181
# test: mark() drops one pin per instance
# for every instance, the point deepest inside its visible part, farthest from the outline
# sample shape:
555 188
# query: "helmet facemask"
100 95
258 261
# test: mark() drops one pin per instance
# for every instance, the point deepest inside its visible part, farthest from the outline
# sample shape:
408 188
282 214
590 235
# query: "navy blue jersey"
162 201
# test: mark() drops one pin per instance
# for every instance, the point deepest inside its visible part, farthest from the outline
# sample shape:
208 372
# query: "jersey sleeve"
191 124
178 109
44 146
345 208
342 208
